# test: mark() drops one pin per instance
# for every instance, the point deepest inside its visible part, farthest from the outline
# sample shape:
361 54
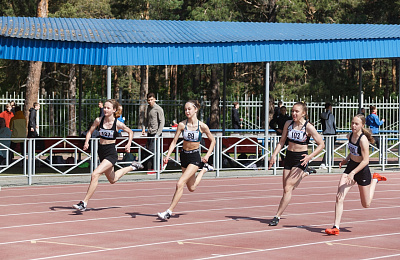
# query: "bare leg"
367 193
113 177
105 167
343 188
291 178
193 181
187 173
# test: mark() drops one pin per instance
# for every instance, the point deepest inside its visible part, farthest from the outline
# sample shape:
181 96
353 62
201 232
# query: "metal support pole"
80 106
30 155
108 82
224 100
266 123
398 112
360 96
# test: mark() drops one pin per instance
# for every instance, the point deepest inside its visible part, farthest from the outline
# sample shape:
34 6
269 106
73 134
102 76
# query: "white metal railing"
54 112
65 156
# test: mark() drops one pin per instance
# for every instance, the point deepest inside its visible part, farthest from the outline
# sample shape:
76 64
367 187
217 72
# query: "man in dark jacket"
32 127
328 128
236 124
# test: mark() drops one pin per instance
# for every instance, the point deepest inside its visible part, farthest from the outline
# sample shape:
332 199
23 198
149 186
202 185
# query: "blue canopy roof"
143 42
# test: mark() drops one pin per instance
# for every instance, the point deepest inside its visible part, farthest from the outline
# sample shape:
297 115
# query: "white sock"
84 203
168 211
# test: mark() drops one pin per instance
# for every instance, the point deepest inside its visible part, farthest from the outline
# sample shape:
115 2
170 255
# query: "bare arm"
171 148
122 126
95 124
279 145
318 139
206 130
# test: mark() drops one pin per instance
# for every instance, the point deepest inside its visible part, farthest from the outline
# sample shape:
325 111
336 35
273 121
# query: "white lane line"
300 245
202 222
210 209
193 201
382 257
169 194
219 236
165 188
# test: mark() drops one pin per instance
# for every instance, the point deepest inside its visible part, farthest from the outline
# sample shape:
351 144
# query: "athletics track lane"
223 219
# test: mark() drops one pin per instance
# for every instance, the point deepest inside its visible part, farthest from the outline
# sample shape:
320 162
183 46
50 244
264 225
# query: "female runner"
108 129
357 171
298 132
192 130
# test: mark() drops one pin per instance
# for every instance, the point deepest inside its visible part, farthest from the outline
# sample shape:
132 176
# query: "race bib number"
107 133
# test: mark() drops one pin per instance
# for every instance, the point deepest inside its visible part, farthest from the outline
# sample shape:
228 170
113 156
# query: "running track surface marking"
222 219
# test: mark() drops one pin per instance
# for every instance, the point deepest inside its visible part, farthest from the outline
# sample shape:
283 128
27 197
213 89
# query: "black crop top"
108 134
355 149
298 136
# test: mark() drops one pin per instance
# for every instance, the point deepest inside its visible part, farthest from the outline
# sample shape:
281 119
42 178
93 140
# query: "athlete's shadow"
134 214
78 212
316 229
261 220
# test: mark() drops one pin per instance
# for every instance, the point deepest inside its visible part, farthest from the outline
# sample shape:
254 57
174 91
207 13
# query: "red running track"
223 219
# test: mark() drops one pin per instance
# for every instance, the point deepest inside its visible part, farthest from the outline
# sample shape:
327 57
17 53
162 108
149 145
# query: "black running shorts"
190 157
292 159
108 151
363 177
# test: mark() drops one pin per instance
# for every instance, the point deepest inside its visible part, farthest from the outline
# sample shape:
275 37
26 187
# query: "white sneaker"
164 215
208 167
323 166
136 166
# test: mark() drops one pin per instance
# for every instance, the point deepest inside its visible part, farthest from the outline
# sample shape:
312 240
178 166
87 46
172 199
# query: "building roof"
150 42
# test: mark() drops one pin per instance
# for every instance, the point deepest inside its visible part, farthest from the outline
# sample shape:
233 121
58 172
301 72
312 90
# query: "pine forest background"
323 80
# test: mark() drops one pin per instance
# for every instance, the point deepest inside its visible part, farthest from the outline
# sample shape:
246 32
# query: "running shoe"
80 206
310 170
332 231
164 215
208 167
274 222
136 166
379 177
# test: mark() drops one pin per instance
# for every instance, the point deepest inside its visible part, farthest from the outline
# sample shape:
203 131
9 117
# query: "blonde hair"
304 107
194 103
367 132
116 106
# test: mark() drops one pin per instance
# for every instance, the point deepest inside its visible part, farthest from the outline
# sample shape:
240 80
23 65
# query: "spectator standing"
5 132
32 127
101 107
18 127
278 123
373 122
154 121
277 109
328 128
12 103
236 120
7 115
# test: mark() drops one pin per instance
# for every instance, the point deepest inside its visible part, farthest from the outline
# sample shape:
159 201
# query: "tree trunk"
32 86
72 96
214 89
35 69
116 84
394 76
144 89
